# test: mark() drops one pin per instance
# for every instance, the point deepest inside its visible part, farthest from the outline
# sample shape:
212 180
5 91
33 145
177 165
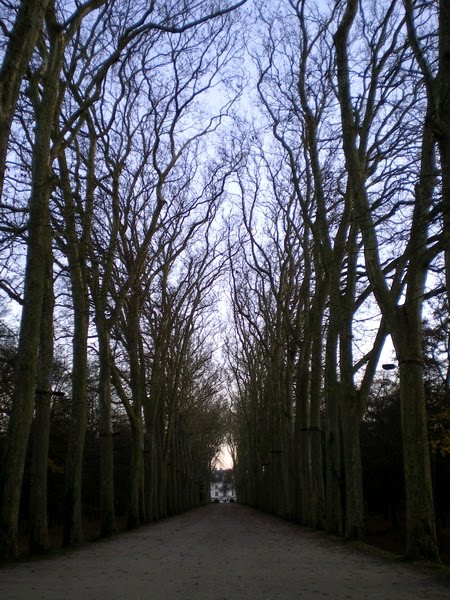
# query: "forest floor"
221 552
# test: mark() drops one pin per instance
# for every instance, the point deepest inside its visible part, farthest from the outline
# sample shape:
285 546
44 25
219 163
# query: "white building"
222 486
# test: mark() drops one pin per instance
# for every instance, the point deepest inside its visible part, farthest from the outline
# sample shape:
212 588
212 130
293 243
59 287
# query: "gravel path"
219 552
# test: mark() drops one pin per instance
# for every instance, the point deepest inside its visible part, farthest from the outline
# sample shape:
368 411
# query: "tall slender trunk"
72 510
100 285
150 469
406 329
352 405
39 540
421 529
334 522
351 424
39 232
318 510
76 245
108 522
315 424
161 460
142 383
443 130
302 447
136 466
76 250
133 338
351 414
151 409
278 434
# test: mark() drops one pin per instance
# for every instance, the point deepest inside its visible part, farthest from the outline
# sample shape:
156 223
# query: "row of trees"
344 239
114 181
111 200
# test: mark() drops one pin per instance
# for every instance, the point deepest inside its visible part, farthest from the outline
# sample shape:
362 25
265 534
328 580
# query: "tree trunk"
315 423
420 520
151 481
39 541
133 340
302 447
100 285
333 443
151 408
351 423
72 517
108 521
39 232
443 132
133 519
22 42
76 246
76 250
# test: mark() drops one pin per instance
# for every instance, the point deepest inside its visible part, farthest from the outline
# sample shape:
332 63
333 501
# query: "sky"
224 460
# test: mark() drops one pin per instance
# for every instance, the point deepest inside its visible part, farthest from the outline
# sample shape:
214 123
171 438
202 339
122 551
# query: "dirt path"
220 552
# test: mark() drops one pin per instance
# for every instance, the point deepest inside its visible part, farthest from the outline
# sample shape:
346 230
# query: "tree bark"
133 342
421 528
76 247
108 520
39 541
442 130
354 506
39 232
334 521
302 418
72 518
318 510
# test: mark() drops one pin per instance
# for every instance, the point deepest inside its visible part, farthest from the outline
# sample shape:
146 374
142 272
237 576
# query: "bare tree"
299 104
403 320
48 89
39 233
